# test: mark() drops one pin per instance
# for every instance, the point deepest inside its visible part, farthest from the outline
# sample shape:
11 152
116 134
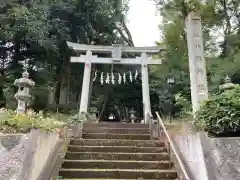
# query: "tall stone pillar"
197 65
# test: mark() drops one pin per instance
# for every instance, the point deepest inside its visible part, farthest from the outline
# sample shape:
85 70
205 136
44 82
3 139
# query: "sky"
143 21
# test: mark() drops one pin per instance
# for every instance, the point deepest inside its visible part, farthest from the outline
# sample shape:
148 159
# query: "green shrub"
11 122
221 113
185 105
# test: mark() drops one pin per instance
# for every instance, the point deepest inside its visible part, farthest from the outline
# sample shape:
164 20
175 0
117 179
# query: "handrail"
171 144
150 122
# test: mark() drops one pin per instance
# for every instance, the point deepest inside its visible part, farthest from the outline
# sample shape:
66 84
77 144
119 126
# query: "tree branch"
128 32
125 38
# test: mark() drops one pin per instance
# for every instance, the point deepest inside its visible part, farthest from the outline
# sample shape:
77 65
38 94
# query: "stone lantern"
22 96
132 115
227 84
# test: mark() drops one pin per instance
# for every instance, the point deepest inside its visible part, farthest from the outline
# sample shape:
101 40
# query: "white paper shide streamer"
119 78
113 79
130 76
108 79
95 76
136 74
124 78
101 78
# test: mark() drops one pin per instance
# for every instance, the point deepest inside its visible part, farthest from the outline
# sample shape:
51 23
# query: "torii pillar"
145 87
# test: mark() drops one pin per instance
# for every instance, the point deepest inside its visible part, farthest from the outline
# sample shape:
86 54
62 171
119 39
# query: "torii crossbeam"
116 52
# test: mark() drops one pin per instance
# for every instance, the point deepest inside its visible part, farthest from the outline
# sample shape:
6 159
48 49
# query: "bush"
221 113
10 122
185 105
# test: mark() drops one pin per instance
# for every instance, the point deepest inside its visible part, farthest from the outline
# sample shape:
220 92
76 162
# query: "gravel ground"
11 159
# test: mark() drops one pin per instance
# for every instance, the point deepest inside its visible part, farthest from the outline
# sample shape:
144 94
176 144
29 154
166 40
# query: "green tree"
218 17
38 30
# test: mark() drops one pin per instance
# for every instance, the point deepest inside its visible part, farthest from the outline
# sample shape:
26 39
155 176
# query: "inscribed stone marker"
198 78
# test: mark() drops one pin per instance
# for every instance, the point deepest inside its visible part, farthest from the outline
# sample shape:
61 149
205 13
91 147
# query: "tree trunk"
68 84
103 109
227 31
2 80
117 113
57 92
2 97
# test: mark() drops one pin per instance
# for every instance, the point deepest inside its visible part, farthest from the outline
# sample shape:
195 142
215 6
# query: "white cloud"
143 22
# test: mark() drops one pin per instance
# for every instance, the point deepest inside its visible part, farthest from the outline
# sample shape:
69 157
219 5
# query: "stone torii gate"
116 52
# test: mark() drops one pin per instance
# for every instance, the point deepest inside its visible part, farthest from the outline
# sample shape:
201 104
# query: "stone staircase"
116 151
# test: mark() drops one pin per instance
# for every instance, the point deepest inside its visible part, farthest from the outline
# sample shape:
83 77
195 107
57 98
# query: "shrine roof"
108 49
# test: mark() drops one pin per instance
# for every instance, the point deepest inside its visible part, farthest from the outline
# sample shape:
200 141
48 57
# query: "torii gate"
116 51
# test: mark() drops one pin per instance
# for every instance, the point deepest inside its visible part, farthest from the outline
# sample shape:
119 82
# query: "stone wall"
34 156
222 157
41 152
12 148
209 158
190 150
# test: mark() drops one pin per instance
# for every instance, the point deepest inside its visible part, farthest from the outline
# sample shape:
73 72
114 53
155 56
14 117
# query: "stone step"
111 179
118 173
117 142
115 125
116 151
116 136
112 164
129 149
116 156
117 130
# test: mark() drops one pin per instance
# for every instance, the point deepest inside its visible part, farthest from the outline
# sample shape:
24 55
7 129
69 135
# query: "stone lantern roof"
24 81
132 111
227 84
